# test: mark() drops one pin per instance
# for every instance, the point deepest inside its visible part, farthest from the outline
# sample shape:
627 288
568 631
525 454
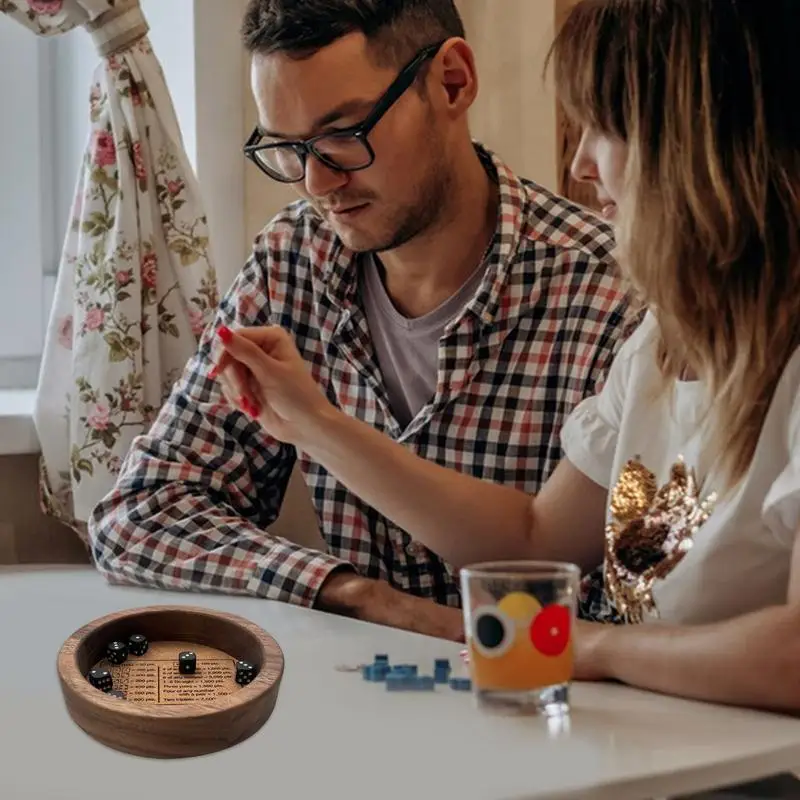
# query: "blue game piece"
461 684
397 681
441 670
375 672
409 683
404 669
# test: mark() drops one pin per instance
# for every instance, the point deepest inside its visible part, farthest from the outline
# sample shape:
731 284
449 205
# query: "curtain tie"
119 28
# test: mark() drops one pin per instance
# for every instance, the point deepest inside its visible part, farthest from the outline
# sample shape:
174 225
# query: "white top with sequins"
740 559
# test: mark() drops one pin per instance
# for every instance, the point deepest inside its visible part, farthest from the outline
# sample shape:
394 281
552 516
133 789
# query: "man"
433 294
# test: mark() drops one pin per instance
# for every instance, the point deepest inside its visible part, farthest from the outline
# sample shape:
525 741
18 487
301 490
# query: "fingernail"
213 373
247 407
225 334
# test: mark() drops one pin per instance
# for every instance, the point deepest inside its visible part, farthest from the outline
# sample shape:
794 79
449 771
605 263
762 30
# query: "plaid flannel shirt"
195 498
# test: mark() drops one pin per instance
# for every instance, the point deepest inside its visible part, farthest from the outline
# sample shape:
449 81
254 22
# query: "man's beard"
424 214
410 220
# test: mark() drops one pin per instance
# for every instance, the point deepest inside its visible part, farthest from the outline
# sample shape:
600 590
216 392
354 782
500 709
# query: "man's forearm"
751 660
349 594
459 517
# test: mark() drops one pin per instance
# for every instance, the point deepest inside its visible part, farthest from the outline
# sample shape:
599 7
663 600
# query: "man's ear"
457 76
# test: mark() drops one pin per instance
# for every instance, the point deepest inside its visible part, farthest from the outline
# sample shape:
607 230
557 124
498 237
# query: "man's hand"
375 601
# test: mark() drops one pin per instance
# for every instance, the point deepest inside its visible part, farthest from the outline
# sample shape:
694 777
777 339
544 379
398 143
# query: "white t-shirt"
741 556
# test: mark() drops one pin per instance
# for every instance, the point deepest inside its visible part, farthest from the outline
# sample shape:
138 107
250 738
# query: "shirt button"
415 549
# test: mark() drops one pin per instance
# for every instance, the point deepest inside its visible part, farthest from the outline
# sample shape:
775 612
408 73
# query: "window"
43 134
44 97
28 250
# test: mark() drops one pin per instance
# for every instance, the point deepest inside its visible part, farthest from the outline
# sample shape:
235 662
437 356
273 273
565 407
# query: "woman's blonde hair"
706 94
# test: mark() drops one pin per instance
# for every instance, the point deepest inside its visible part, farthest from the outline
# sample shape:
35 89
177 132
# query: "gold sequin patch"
649 532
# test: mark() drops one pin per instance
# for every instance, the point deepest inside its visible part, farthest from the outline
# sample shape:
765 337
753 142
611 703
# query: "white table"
333 735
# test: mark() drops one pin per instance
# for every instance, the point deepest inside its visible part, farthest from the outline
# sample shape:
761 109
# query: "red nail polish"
250 408
213 373
225 334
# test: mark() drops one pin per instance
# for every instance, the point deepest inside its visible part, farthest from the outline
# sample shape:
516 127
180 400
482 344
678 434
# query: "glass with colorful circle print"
518 618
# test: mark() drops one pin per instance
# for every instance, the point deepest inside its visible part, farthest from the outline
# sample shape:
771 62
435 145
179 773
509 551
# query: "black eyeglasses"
347 150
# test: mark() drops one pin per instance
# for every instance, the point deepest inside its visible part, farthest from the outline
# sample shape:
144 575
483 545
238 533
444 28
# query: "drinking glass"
518 619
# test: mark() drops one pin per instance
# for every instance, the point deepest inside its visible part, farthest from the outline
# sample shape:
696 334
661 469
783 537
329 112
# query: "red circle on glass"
550 630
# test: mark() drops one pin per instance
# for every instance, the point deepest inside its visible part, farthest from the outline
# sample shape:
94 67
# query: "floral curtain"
136 285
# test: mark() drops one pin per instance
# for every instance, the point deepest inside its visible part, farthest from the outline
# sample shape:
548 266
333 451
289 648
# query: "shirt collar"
512 211
342 272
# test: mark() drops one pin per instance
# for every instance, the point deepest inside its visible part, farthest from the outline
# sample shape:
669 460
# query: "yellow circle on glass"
520 606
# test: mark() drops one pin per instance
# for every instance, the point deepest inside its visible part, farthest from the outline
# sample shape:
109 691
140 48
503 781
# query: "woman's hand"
261 372
591 641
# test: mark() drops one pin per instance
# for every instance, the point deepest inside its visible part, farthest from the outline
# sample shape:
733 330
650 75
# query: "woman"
692 141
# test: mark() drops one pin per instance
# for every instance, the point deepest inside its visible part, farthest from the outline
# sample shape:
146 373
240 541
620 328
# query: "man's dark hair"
396 29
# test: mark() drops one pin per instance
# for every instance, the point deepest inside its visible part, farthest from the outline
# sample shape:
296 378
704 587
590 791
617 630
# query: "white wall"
515 112
172 25
220 117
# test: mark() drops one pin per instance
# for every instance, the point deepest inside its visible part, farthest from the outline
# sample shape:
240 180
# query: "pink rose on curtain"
197 320
65 332
105 151
94 319
46 6
99 417
136 95
149 270
124 277
138 162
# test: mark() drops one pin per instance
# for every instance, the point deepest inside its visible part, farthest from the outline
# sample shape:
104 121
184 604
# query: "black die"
187 662
137 644
245 673
101 679
117 652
